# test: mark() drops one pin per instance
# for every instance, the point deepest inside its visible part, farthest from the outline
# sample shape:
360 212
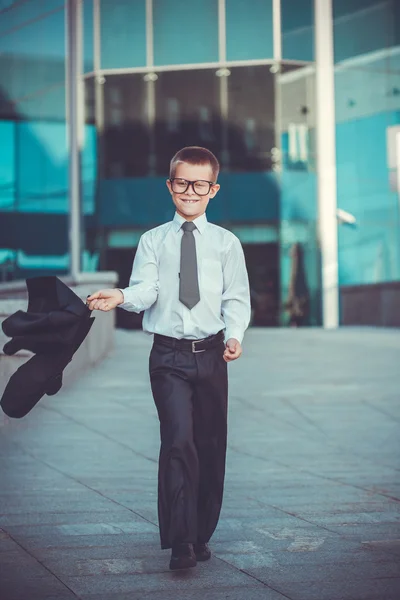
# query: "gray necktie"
189 293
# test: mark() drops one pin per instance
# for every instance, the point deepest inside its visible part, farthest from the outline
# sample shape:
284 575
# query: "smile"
189 201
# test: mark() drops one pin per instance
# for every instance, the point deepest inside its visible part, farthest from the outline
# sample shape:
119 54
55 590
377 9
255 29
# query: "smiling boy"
190 279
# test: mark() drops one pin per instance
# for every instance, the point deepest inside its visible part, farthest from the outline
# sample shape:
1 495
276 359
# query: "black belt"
191 345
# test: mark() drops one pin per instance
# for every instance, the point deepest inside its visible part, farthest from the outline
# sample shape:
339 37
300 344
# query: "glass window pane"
367 122
362 26
32 69
21 16
297 22
123 33
7 165
249 30
88 58
89 92
125 145
251 118
188 114
297 124
185 32
42 167
88 170
299 256
32 73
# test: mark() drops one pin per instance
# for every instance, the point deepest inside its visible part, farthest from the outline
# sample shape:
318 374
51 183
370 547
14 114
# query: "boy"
190 278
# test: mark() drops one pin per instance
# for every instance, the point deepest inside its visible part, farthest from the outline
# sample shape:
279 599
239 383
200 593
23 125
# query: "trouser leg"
178 462
210 435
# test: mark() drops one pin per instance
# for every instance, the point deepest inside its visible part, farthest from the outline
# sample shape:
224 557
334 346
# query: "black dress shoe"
182 557
202 552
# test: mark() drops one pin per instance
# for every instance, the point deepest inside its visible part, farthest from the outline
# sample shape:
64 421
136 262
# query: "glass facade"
298 196
34 157
158 76
297 20
185 33
193 82
122 27
249 33
367 85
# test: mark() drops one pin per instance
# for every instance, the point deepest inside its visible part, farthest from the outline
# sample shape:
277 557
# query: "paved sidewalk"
312 501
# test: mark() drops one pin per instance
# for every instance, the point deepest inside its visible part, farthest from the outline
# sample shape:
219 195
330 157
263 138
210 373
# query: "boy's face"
189 204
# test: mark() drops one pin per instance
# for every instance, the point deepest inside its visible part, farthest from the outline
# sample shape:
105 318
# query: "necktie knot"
188 226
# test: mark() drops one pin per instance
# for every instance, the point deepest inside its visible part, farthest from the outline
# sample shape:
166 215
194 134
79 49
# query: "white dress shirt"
223 283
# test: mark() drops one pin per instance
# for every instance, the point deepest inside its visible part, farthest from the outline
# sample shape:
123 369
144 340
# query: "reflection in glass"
185 32
364 26
187 113
251 118
32 73
125 142
7 165
297 89
262 261
299 254
87 24
367 123
297 23
298 300
34 168
123 33
249 33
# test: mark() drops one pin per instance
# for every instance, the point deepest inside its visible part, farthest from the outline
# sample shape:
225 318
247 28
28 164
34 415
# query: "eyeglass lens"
200 187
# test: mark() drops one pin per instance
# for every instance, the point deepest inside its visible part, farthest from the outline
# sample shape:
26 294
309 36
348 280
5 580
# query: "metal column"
74 93
326 161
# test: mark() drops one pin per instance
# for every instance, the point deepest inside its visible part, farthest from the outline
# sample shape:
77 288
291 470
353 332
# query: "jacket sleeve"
143 286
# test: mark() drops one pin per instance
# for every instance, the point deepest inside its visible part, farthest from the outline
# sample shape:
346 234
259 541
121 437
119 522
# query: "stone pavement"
312 501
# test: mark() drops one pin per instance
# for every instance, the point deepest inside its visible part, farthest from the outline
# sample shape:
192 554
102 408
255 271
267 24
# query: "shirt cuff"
236 334
127 303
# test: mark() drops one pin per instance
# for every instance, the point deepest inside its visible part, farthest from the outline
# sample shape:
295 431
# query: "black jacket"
53 327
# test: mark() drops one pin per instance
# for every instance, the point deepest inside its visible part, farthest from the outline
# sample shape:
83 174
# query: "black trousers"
190 391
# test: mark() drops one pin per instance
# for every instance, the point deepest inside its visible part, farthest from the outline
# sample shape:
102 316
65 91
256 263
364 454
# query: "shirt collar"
200 222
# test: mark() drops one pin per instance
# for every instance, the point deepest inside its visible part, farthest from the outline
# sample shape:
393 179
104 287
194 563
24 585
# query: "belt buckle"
194 347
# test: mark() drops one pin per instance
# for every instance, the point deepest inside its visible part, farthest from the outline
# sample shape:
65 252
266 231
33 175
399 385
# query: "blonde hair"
195 155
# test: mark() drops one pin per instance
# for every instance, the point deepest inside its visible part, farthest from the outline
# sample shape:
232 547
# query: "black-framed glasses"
200 187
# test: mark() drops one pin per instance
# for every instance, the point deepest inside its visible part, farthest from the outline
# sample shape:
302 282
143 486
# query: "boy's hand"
105 300
233 350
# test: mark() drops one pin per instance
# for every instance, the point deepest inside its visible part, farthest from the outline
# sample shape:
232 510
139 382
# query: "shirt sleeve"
143 286
235 307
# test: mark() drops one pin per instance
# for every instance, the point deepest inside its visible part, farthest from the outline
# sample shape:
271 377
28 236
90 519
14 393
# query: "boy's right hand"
105 300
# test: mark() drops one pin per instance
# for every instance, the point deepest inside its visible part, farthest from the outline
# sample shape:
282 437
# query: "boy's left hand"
233 350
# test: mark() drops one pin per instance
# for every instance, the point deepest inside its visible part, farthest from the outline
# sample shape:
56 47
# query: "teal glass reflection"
32 32
299 255
298 229
33 230
367 188
32 67
34 168
297 23
7 165
185 32
42 167
362 26
249 29
367 98
123 33
88 170
23 14
88 52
